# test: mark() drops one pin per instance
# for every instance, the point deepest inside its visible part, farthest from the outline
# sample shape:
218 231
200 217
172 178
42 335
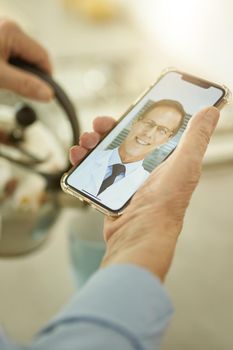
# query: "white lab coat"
91 175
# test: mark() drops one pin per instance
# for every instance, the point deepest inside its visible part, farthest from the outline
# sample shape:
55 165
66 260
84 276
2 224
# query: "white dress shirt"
115 159
89 176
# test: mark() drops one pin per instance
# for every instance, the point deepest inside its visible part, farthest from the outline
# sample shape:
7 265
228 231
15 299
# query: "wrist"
154 255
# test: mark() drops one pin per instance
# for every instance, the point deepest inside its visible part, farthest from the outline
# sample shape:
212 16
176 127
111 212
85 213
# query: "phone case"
228 94
69 190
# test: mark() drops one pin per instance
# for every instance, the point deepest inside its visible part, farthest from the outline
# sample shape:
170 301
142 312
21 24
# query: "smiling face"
149 132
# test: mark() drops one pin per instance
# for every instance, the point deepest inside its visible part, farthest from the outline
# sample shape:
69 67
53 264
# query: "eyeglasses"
162 130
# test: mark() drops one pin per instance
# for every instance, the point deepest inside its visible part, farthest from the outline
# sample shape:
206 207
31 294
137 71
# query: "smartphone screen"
143 138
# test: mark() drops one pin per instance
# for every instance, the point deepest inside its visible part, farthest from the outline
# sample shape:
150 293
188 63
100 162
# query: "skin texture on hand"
15 43
147 232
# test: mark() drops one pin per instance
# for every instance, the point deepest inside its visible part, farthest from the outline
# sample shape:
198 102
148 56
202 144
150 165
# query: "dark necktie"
117 169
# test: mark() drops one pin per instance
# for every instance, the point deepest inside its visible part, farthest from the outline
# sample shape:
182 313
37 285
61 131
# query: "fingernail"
44 93
73 148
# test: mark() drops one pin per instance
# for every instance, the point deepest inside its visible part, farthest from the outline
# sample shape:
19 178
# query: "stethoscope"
25 116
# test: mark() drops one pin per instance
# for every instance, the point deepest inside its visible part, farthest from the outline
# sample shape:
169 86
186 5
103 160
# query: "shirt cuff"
128 297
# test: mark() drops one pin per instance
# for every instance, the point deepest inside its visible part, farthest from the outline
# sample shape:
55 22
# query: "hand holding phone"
148 132
147 232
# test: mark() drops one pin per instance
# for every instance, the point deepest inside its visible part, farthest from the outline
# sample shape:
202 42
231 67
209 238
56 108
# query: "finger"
24 83
76 154
89 139
195 139
25 47
103 124
183 168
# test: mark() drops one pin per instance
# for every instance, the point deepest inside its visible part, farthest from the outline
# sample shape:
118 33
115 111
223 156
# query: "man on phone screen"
116 174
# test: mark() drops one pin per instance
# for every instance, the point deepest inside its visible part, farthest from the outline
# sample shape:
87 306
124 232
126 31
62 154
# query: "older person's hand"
15 43
147 232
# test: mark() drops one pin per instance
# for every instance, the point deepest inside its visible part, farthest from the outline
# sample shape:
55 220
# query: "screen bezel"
98 205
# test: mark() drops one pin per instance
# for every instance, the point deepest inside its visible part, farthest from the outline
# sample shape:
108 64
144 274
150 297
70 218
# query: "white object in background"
5 174
29 193
42 143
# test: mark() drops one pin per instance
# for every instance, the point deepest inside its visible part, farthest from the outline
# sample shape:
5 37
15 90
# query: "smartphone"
146 134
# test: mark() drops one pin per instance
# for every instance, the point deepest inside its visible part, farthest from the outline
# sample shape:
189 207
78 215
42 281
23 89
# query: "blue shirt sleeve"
121 307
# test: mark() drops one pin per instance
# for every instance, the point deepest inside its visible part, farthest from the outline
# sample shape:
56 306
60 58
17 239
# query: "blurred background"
105 53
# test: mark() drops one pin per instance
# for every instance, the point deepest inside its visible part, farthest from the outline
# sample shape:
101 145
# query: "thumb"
182 170
199 131
24 83
195 139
